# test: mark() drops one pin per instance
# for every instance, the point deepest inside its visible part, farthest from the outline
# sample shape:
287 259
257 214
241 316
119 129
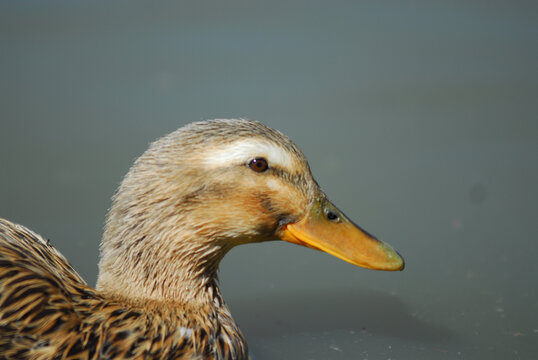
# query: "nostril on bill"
332 216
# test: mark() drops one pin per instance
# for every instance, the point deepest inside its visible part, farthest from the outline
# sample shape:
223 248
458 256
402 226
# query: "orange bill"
327 229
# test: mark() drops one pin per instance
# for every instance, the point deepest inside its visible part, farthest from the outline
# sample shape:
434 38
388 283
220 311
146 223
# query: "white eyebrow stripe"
242 151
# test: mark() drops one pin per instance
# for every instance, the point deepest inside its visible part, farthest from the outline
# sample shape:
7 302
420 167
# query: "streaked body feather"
48 312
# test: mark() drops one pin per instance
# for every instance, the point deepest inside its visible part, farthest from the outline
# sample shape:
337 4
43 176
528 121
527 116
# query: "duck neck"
162 265
157 243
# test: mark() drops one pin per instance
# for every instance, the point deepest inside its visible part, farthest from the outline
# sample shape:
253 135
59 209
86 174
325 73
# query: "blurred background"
419 120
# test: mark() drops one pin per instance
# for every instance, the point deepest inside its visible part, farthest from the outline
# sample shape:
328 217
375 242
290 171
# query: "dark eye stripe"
258 164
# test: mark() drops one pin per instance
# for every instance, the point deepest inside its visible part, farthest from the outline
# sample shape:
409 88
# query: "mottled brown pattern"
48 312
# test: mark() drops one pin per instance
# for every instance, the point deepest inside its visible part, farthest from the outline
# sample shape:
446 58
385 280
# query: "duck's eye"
258 164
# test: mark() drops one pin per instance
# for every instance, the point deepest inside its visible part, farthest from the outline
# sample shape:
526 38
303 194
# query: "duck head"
207 187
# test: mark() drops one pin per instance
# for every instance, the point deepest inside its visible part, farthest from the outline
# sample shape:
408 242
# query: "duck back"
48 312
38 293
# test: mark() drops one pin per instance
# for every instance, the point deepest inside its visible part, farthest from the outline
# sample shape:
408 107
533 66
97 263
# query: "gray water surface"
418 119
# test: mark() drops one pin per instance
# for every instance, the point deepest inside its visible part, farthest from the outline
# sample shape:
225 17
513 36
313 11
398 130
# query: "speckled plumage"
48 312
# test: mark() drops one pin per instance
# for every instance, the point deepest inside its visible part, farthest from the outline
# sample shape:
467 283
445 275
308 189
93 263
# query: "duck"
195 194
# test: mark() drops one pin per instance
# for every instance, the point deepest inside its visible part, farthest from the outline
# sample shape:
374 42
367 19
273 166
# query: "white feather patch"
185 332
242 151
